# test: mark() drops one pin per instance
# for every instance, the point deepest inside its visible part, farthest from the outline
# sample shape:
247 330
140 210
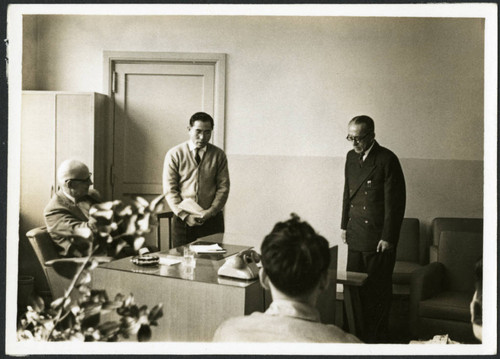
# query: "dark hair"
294 256
364 120
201 116
478 302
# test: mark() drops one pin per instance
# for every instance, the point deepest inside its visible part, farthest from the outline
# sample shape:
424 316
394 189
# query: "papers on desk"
206 248
190 206
168 261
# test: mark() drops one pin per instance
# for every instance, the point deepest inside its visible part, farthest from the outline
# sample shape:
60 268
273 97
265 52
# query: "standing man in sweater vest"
373 210
196 170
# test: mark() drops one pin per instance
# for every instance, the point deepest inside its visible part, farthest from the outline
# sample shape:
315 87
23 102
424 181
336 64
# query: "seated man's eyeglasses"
86 180
356 138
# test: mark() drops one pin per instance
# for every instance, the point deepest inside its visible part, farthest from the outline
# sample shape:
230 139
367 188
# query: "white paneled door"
153 102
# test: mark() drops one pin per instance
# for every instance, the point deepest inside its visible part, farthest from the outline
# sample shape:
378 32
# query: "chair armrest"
424 283
427 281
99 259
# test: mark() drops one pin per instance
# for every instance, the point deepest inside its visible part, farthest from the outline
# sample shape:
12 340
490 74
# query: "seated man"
69 208
476 305
295 262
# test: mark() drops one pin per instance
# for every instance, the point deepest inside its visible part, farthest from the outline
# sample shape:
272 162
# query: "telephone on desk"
242 265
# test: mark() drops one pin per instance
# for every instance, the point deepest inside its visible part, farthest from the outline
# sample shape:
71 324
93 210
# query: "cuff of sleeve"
183 215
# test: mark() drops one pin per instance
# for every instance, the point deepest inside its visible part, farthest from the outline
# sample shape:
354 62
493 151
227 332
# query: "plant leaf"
57 303
138 242
109 329
141 202
144 333
85 278
85 290
156 204
82 232
156 313
36 302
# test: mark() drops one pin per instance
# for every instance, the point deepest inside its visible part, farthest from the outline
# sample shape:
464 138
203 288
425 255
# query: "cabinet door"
37 157
56 126
75 128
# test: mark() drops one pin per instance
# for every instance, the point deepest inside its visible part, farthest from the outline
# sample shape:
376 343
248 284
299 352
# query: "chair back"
42 244
45 251
408 249
441 224
327 299
459 253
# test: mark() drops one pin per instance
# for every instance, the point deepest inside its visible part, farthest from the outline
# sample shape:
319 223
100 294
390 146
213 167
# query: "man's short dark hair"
366 121
201 116
294 256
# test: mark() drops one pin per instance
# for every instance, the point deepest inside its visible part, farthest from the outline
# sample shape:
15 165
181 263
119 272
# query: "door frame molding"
111 58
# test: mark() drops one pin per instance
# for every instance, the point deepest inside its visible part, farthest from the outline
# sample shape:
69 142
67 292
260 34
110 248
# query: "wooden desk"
195 300
352 281
169 215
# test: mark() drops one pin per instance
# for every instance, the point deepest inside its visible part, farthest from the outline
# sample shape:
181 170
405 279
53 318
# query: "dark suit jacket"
62 216
374 199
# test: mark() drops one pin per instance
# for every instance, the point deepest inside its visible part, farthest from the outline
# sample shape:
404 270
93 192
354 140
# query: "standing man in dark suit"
372 212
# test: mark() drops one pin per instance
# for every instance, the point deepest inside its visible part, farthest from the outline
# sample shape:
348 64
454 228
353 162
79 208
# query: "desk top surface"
354 279
205 270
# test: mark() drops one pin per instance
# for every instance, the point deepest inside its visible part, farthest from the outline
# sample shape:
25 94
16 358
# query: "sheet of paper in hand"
190 206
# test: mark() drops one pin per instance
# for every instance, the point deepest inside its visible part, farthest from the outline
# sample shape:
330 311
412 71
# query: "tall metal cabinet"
56 126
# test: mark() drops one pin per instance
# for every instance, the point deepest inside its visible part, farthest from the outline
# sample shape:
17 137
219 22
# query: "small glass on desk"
189 257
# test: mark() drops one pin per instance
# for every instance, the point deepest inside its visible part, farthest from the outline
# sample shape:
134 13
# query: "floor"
399 331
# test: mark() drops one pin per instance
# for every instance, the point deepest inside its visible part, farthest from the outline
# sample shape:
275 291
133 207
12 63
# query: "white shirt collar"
291 308
368 151
70 197
192 148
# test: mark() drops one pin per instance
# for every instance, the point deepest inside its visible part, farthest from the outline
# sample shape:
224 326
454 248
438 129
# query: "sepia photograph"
308 179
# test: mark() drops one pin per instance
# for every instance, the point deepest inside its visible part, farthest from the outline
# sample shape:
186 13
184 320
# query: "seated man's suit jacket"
62 217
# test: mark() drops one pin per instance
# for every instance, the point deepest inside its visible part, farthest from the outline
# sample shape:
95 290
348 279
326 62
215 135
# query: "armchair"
45 252
47 256
440 224
441 292
407 255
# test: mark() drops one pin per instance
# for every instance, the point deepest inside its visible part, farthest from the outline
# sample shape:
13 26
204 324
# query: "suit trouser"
376 294
183 234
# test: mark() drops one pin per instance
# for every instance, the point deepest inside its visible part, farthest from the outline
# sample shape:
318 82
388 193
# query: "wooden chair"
46 252
169 215
47 255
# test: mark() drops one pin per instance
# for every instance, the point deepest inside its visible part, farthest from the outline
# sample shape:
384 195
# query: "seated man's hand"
193 220
92 223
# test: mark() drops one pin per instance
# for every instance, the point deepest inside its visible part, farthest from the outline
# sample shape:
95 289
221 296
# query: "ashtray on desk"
146 260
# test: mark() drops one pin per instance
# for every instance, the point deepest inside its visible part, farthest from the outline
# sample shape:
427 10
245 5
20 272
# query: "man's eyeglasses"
86 180
356 138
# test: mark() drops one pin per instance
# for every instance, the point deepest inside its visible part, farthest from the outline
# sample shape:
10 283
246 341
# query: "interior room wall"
292 84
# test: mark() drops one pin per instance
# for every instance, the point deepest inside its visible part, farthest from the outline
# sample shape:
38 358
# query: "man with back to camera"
196 170
295 262
69 208
372 212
